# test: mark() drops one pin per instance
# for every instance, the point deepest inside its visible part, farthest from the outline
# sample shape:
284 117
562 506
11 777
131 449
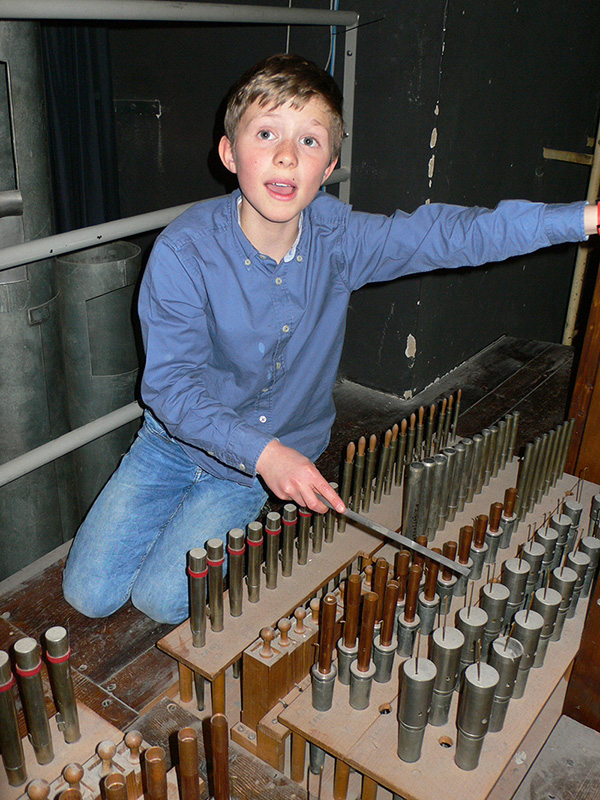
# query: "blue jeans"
134 540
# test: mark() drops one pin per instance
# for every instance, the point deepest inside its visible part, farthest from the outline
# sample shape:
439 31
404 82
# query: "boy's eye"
265 135
309 141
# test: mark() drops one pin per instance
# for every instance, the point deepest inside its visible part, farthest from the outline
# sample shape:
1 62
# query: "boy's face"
281 157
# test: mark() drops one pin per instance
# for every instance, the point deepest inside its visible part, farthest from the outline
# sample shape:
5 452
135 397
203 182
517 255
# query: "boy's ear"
226 154
329 170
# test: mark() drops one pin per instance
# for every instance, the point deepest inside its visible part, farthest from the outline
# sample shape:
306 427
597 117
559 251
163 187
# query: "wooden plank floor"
117 669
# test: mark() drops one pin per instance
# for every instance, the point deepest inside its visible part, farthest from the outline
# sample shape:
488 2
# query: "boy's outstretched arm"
294 477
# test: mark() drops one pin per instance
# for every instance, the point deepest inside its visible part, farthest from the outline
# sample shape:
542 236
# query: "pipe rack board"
94 730
224 647
367 740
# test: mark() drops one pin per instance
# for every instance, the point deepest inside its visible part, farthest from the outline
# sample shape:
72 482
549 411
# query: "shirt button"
262 257
266 389
286 329
247 262
242 467
278 281
262 418
298 258
278 365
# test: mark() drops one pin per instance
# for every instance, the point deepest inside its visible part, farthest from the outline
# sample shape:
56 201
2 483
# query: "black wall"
498 81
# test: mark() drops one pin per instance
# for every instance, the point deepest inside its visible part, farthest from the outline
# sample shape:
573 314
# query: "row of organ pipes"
362 624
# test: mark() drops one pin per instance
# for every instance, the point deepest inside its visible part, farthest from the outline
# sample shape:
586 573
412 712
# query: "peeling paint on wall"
411 349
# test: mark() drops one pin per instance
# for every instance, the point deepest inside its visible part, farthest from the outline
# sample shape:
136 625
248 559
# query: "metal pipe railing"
61 243
167 11
50 451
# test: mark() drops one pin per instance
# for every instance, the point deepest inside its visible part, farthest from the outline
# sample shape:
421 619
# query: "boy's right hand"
294 477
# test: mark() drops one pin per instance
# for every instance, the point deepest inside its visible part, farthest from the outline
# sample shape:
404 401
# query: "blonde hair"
281 79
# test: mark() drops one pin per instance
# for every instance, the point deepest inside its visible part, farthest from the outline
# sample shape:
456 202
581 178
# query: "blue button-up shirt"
241 349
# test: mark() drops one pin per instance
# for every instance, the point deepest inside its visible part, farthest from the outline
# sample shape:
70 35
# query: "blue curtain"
81 125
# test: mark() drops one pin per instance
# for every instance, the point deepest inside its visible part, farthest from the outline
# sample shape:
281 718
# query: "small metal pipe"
546 603
358 475
471 621
516 415
591 547
505 657
508 519
446 646
500 452
254 540
385 644
417 680
475 466
515 572
384 457
11 746
346 487
371 457
425 499
304 516
324 672
197 572
479 686
330 520
455 454
362 670
389 474
318 527
215 559
433 516
272 534
489 467
58 655
236 550
527 629
563 579
412 498
28 667
493 533
494 597
485 457
579 563
288 535
400 456
465 478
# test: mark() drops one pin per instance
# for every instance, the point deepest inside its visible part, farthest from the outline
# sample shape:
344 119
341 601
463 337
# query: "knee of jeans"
160 606
84 597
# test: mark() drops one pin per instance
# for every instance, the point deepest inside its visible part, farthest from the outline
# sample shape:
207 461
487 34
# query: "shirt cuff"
563 222
247 440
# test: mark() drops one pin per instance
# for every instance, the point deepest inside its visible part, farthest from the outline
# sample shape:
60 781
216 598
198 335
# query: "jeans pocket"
154 427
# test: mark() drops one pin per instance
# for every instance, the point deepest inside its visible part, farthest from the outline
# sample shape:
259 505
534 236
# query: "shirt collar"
291 253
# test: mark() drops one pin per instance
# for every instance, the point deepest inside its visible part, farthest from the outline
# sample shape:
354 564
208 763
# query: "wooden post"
217 689
369 789
298 757
185 683
340 781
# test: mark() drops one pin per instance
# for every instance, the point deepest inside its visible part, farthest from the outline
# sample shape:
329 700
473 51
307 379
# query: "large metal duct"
39 511
96 289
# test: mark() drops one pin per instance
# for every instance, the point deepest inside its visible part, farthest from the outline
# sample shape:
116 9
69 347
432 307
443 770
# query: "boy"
243 308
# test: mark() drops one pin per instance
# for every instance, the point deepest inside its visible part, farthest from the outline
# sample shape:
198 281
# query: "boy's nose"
286 154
